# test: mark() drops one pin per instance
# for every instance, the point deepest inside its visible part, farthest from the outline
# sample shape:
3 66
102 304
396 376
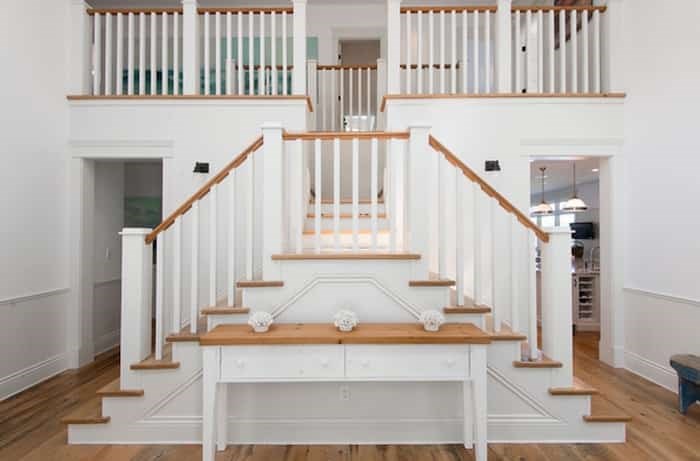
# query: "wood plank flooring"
30 428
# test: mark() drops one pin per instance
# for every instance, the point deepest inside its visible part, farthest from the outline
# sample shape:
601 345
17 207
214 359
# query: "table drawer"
407 361
282 362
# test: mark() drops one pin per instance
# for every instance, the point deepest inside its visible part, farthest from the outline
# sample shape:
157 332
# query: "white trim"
107 341
107 282
664 296
34 296
142 149
658 374
32 375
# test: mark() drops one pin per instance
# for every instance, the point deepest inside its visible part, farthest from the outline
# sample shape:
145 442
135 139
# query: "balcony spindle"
476 244
262 80
419 54
317 191
431 51
130 35
342 99
109 78
142 54
336 194
207 54
285 70
574 52
273 53
487 50
562 51
355 194
350 93
496 308
120 55
97 55
465 48
459 235
409 49
518 53
369 94
239 54
453 69
177 274
194 269
596 51
373 190
359 91
217 52
585 57
212 244
441 45
154 54
164 55
176 54
540 52
160 250
551 45
251 55
475 34
231 273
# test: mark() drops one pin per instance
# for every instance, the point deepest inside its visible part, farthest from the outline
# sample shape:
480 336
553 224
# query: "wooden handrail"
246 10
330 135
601 8
488 189
204 190
346 67
94 11
458 9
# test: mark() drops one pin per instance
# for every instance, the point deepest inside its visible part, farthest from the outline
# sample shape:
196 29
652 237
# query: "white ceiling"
559 174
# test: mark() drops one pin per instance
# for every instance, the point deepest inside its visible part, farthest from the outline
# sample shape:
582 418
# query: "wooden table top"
326 333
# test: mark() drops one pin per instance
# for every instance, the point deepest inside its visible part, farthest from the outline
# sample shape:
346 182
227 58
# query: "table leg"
222 417
467 393
479 402
210 371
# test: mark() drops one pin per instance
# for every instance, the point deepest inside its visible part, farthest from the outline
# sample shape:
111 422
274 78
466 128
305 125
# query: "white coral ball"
346 320
432 320
260 321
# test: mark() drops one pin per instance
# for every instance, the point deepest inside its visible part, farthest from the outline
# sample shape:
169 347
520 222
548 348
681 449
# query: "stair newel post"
418 197
273 227
299 46
190 48
556 302
137 296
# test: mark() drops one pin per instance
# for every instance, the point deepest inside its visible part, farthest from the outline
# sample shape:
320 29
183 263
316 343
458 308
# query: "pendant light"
574 204
544 208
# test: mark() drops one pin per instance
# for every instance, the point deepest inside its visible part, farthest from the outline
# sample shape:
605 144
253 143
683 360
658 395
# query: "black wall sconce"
201 167
492 165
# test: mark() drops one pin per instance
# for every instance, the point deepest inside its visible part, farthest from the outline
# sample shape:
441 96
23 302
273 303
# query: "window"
566 219
547 221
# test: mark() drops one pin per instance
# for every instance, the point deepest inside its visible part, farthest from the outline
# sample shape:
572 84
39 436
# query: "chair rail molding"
664 296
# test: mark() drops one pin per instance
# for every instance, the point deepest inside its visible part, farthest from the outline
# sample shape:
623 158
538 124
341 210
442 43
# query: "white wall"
33 274
662 254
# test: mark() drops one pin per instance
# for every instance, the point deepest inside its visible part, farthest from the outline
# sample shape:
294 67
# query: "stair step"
544 362
578 388
431 283
150 363
466 310
604 411
85 420
346 232
114 389
345 215
224 310
607 419
90 413
345 256
259 283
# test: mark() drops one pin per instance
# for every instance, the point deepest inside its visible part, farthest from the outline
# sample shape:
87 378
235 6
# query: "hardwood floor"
30 429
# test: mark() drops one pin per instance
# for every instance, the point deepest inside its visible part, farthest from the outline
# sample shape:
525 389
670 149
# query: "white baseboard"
107 341
23 379
652 371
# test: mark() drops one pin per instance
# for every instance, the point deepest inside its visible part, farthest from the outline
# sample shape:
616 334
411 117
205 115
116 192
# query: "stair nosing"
380 256
431 283
85 420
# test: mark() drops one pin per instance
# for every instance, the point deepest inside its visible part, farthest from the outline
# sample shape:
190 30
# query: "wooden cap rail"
94 11
346 67
486 187
459 9
601 8
204 190
330 135
247 10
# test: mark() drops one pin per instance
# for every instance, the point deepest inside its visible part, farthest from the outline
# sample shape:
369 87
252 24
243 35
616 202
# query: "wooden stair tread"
114 389
543 362
259 283
578 388
604 411
607 419
345 232
150 363
345 256
90 413
224 310
507 334
466 310
346 215
432 283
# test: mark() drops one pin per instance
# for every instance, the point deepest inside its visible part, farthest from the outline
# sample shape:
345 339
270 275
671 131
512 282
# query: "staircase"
387 257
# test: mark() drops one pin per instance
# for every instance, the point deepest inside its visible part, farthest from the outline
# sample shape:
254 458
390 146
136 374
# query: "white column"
137 290
273 203
299 38
504 45
418 196
556 302
612 44
190 47
393 54
80 49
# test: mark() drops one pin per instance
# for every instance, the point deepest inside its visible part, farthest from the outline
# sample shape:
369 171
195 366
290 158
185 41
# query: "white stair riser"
328 224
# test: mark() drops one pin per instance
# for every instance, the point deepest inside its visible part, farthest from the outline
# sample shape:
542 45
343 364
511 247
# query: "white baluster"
229 54
459 235
532 296
518 54
359 91
97 55
336 194
487 50
164 54
154 54
109 78
212 244
453 69
551 40
496 308
194 268
342 99
177 274
239 54
321 100
285 90
476 244
390 192
465 47
475 34
515 269
217 52
369 94
442 215
273 53
251 55
419 54
130 33
120 55
574 51
409 49
262 81
441 45
160 249
250 221
596 51
207 55
373 191
142 54
584 63
176 53
355 194
540 52
562 51
317 190
350 93
301 193
529 49
431 51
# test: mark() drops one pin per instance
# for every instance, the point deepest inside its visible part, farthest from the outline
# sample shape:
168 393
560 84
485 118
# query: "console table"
319 352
